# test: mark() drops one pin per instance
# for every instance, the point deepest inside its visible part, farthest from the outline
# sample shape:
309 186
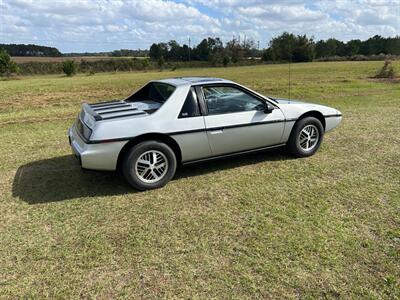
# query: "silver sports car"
184 120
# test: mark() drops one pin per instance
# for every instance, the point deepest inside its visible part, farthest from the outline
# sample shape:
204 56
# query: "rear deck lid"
108 110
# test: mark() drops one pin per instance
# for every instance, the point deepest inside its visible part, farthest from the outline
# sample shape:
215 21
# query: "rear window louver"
111 110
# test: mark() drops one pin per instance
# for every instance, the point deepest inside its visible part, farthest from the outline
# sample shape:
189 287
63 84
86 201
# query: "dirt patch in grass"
385 80
36 120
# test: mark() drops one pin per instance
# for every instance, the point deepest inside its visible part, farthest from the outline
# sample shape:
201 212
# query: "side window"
191 106
227 99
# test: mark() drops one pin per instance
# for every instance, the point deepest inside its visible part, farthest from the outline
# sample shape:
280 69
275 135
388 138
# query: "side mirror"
268 108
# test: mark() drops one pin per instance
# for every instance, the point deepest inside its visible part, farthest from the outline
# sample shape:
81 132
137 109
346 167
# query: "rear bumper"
103 156
75 151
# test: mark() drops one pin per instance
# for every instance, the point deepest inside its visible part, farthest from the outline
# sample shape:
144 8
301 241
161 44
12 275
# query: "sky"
104 25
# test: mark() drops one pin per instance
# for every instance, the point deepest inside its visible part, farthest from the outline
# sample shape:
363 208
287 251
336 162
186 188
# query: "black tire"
133 155
293 144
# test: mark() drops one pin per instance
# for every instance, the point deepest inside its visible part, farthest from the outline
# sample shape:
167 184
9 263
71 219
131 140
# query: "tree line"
209 49
30 50
285 47
37 50
300 48
115 53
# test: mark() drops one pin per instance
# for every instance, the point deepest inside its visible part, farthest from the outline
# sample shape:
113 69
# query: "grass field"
260 226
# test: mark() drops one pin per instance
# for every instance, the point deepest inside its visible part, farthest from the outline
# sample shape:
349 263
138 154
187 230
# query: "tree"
282 46
353 47
303 50
161 62
185 52
330 47
374 45
268 55
145 63
321 49
234 50
288 47
392 45
208 49
155 51
69 67
7 66
248 47
158 50
226 61
202 51
126 53
174 51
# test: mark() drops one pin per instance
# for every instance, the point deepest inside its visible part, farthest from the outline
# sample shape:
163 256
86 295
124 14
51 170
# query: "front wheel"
149 165
306 137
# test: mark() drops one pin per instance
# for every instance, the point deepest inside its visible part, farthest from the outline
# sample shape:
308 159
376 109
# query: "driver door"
236 121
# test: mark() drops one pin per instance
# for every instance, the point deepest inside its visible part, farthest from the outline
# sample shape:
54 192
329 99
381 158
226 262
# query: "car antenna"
290 64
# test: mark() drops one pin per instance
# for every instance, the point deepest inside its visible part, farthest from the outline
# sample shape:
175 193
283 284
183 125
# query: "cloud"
99 25
282 13
159 11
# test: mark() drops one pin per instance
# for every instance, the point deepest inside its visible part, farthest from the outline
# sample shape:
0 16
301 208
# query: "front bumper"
332 121
103 156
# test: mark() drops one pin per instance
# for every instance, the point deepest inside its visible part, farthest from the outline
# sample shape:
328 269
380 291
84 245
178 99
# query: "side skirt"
232 154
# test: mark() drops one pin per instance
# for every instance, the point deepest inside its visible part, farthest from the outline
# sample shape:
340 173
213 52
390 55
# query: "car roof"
193 80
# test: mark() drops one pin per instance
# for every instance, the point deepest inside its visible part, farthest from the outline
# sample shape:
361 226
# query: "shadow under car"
61 178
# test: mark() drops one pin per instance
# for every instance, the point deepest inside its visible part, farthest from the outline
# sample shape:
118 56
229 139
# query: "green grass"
260 226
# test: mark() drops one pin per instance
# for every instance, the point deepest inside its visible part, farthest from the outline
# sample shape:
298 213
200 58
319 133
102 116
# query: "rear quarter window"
154 91
191 106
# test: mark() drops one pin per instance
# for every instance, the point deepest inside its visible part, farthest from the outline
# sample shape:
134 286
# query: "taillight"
83 130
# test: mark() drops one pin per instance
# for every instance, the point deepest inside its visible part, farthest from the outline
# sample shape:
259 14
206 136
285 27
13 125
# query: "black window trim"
203 104
194 92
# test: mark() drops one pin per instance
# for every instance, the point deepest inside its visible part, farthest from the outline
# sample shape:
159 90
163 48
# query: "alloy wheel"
309 137
151 166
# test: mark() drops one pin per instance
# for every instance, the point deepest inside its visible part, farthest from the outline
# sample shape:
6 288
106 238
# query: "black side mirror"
268 108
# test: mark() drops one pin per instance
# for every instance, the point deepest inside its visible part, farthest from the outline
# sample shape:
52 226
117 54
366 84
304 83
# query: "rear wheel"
149 165
306 137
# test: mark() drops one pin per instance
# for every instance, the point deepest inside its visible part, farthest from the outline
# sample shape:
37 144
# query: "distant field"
261 226
24 59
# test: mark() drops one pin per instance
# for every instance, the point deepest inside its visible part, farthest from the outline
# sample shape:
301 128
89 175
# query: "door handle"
218 131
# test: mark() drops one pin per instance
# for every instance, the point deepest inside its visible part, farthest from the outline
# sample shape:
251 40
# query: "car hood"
293 109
